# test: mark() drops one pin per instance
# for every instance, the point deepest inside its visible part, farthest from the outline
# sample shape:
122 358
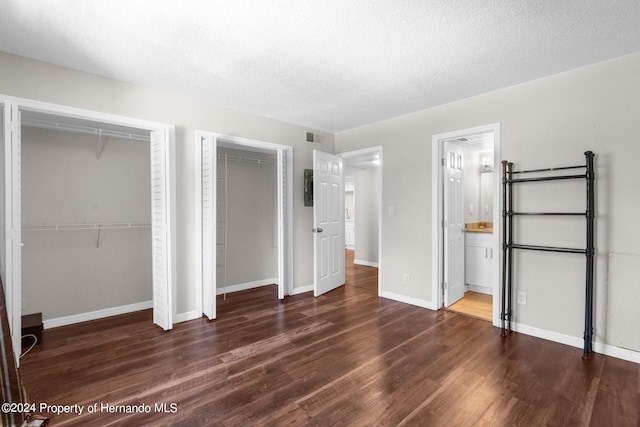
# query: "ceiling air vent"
313 138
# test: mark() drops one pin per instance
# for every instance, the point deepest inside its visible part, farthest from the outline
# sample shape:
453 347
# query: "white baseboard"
189 315
244 286
98 314
617 352
408 300
367 263
606 349
301 290
195 314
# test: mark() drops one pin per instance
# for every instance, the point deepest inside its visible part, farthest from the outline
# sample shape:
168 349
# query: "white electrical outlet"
522 297
406 278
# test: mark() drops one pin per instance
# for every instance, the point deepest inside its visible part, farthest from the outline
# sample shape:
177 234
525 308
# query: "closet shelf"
245 159
77 128
85 226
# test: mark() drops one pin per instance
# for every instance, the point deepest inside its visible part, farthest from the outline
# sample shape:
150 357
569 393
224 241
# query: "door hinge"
443 162
14 127
444 286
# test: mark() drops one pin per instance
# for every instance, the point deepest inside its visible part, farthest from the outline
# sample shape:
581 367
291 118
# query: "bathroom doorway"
465 202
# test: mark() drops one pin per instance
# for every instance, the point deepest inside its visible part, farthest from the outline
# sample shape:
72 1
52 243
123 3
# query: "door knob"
317 230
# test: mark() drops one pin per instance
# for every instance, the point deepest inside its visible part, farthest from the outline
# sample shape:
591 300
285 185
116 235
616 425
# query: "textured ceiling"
330 65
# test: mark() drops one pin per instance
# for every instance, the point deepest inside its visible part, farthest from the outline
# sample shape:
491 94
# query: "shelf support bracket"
98 237
102 142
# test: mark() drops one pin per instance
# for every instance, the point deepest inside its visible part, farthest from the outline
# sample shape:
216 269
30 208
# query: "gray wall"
544 123
64 183
366 202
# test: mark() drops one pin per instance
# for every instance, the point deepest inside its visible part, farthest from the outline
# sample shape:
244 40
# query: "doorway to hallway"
363 209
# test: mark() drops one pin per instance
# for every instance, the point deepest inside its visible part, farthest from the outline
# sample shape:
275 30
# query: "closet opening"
244 213
88 218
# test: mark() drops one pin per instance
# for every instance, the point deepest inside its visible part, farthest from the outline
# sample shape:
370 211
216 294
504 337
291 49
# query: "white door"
328 222
160 220
453 224
208 199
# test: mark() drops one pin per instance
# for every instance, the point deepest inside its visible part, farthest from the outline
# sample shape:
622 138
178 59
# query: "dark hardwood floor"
347 358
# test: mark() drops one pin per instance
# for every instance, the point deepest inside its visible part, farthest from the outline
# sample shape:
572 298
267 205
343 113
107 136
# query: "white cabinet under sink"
479 258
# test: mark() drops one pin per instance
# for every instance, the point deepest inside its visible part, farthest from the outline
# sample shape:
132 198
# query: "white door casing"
209 219
328 222
453 224
160 226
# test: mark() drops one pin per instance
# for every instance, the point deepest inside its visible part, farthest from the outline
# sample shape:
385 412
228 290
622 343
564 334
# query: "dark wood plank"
345 358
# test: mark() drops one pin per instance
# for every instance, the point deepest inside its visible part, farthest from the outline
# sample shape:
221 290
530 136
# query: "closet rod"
547 178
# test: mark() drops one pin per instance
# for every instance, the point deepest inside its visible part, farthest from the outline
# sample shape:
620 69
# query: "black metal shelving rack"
508 246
